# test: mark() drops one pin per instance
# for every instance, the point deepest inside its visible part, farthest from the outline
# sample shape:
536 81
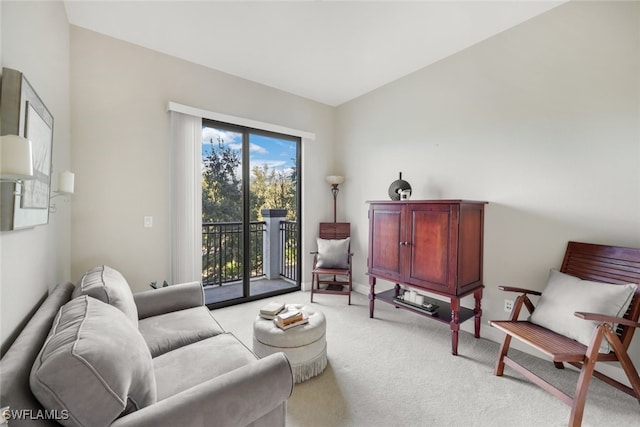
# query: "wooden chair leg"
504 348
625 361
313 278
588 366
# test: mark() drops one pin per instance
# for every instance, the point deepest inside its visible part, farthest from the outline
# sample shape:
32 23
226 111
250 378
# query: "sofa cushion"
109 286
166 332
94 364
191 365
566 294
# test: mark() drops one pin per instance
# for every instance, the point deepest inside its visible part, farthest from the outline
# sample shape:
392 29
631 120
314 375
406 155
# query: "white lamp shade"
335 179
66 182
16 158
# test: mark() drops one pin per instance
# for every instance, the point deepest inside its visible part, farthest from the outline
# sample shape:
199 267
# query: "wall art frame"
22 112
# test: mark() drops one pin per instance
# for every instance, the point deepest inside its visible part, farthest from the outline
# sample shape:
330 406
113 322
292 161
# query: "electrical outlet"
508 305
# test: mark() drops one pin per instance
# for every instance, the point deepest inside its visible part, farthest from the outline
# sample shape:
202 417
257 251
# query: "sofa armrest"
170 298
236 398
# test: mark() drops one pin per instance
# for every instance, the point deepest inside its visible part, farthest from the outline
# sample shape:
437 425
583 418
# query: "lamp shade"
335 179
16 158
66 182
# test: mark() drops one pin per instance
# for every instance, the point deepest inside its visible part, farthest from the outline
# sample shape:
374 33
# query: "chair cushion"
109 286
333 253
166 332
566 294
94 364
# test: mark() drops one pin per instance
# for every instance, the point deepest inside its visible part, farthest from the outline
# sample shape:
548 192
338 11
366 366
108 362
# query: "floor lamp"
335 180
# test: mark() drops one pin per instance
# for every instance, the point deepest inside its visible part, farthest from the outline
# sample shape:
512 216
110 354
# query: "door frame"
246 131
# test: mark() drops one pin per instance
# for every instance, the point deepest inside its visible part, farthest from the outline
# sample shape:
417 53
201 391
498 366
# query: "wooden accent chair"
596 263
323 265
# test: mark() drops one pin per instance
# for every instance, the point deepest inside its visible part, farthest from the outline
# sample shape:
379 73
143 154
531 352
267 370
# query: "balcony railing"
222 251
289 249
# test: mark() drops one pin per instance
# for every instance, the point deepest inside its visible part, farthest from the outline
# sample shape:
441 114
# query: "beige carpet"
397 369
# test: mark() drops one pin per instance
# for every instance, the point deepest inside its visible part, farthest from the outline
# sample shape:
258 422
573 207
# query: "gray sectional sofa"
96 355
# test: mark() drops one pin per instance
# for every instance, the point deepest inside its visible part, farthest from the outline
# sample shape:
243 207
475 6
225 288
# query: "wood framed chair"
332 259
591 263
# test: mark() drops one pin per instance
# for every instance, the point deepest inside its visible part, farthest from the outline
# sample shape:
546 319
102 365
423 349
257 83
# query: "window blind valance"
225 118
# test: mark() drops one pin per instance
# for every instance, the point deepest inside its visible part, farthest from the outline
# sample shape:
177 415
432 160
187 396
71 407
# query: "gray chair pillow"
566 294
94 365
109 286
333 253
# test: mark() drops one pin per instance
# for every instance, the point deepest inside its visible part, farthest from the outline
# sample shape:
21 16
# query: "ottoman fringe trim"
311 368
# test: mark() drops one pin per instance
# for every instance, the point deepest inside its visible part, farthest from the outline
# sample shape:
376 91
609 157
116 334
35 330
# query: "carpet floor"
397 369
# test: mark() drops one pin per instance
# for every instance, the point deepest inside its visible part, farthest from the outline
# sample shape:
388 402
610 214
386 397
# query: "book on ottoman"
288 316
301 321
270 310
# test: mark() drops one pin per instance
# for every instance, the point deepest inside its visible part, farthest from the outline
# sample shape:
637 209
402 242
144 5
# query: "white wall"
121 146
541 121
35 41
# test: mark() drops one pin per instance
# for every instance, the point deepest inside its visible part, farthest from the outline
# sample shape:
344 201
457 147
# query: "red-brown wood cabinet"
434 246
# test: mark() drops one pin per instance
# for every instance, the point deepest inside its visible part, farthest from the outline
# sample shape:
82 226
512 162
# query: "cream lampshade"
65 188
335 179
65 182
16 158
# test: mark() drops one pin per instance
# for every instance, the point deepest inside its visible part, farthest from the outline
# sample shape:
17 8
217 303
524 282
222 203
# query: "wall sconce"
16 160
335 180
65 187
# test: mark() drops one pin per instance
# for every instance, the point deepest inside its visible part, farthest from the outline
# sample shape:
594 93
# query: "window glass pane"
273 175
222 241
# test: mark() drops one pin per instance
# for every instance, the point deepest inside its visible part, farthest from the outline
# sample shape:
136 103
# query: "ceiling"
327 51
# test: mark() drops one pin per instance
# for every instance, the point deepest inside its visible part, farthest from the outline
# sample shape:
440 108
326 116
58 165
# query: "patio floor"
214 294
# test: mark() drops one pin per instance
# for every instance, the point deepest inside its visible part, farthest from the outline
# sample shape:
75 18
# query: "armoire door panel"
429 246
384 250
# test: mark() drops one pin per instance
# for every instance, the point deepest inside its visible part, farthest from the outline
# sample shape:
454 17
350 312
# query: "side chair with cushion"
333 259
587 313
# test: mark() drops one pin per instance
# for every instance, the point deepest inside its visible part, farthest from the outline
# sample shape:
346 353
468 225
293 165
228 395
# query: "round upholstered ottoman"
304 345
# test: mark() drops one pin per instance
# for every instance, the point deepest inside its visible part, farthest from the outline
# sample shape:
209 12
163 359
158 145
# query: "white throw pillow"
566 294
333 253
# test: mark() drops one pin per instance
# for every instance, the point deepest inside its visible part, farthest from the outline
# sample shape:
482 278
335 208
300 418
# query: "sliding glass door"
250 213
